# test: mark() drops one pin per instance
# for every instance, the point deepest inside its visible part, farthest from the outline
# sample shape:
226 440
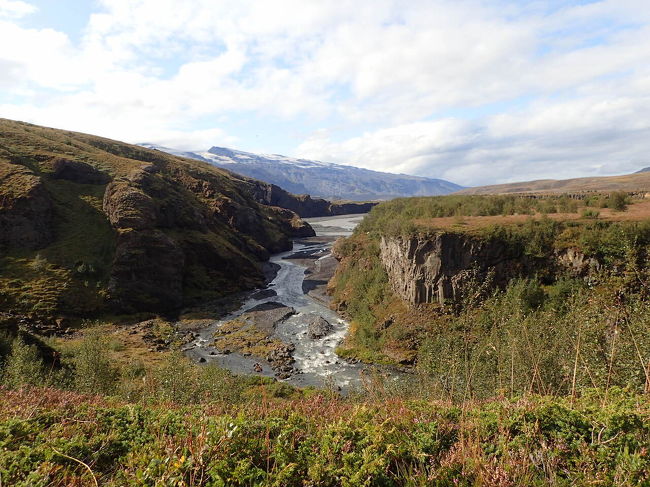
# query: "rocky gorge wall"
438 268
304 205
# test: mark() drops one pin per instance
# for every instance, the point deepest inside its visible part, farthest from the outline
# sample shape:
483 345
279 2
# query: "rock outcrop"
438 268
26 208
577 263
304 205
76 171
170 231
89 225
430 269
318 328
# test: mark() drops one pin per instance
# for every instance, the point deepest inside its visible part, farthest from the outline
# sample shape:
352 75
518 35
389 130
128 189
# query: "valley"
301 300
165 319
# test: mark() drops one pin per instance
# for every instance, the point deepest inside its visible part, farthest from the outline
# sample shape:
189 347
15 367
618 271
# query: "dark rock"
267 316
318 328
202 360
77 172
147 272
263 294
26 209
304 205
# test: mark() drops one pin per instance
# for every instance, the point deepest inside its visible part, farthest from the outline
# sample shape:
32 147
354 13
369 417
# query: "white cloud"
15 9
588 136
433 87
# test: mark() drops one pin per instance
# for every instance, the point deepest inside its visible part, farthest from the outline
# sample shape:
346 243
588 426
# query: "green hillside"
89 224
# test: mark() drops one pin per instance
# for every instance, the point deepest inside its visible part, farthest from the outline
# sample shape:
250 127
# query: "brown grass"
627 182
636 212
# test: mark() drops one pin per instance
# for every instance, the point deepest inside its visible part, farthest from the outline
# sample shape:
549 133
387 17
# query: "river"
316 362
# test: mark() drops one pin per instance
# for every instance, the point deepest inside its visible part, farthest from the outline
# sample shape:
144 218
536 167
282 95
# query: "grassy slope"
70 274
628 182
386 329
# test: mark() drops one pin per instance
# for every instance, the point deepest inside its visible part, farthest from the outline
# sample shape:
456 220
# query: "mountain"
90 225
645 169
639 181
320 179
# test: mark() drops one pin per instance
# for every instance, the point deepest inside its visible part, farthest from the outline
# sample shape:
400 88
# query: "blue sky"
473 91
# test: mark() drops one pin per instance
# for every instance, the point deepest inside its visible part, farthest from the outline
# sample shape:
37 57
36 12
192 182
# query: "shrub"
618 201
589 213
23 366
93 369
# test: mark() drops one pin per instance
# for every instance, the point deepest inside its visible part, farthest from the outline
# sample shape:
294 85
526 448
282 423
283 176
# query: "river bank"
272 332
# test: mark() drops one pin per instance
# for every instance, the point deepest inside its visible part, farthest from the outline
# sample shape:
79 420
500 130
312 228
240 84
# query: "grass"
386 329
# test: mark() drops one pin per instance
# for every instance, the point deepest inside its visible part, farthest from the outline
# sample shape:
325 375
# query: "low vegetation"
65 438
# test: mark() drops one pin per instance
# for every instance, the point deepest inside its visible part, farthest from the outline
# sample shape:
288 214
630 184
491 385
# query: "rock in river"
318 328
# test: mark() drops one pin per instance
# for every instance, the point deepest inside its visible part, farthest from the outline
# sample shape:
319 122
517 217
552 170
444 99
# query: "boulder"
318 328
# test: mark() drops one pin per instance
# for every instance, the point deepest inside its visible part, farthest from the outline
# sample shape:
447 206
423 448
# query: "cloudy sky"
474 91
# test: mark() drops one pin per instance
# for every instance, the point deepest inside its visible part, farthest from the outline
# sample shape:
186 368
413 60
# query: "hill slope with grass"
636 182
89 225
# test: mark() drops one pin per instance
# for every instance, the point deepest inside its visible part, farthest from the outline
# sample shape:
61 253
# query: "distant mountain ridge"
321 179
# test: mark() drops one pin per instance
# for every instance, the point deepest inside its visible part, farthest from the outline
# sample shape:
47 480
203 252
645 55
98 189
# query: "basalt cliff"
89 225
442 266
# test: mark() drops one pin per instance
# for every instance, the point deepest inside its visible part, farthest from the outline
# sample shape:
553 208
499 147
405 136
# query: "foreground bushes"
53 438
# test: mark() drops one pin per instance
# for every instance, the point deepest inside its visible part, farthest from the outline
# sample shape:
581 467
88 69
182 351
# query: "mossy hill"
90 225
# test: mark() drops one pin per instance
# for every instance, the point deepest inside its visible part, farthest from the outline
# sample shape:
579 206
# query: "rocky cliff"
440 267
90 224
304 205
436 268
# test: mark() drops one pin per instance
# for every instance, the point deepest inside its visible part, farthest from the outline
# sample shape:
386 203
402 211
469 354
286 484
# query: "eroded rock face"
439 268
147 272
26 209
304 205
77 172
430 269
577 263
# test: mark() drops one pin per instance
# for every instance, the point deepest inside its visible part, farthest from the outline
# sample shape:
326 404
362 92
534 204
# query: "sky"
472 91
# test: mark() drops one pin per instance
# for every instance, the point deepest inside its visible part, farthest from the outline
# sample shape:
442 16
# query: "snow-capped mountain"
319 179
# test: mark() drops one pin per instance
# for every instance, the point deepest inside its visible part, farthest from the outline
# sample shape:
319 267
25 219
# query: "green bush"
589 213
94 373
618 201
326 442
23 366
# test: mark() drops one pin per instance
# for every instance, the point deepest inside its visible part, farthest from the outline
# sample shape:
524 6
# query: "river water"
316 363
